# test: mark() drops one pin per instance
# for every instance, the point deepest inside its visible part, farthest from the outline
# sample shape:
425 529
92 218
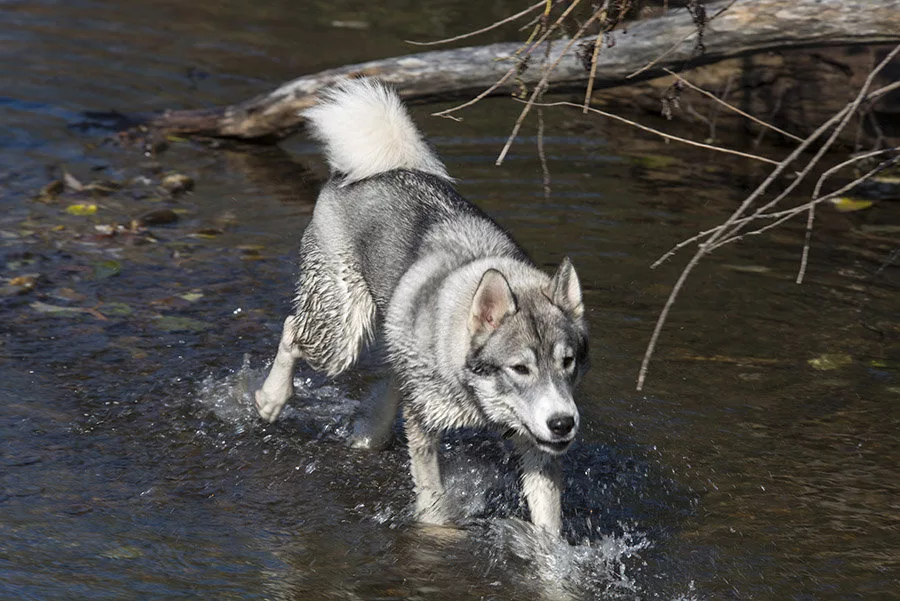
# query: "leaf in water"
72 182
117 309
655 161
19 285
82 209
51 190
177 182
830 361
749 268
880 230
350 24
845 204
103 187
171 323
106 269
191 297
887 178
175 139
207 232
156 217
55 309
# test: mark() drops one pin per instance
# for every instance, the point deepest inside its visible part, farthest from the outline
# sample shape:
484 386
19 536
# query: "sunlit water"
760 463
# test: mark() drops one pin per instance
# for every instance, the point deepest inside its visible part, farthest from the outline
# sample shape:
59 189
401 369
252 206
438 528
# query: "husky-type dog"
476 335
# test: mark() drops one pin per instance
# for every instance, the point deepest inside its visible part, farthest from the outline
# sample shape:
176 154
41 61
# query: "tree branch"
747 27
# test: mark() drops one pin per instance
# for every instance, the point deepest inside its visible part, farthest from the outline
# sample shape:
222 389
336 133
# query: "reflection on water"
761 463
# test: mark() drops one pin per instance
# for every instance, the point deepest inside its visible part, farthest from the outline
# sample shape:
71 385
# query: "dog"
476 335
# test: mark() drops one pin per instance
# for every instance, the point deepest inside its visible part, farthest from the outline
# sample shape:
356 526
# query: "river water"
760 462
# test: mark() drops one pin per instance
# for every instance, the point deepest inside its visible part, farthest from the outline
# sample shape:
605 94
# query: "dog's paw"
268 407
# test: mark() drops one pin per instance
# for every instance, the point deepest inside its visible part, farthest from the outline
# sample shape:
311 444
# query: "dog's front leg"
279 385
426 473
542 486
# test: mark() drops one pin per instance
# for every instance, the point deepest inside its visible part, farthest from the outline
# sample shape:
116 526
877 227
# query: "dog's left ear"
564 290
493 301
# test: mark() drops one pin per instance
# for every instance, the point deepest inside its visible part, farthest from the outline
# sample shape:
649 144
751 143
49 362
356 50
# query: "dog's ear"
493 301
564 290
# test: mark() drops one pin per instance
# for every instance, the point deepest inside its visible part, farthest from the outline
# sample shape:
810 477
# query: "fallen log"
642 51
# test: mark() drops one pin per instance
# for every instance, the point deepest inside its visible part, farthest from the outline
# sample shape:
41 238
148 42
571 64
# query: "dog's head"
528 349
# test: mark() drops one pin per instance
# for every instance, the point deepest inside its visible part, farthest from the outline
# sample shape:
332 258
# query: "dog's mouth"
556 447
553 447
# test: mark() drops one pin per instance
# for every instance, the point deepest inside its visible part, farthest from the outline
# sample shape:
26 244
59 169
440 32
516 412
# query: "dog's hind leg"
372 427
542 487
279 385
426 472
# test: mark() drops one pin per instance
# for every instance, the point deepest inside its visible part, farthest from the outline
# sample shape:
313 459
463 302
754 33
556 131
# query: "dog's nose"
561 425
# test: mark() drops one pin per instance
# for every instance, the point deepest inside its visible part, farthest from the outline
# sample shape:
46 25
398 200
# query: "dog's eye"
568 361
521 369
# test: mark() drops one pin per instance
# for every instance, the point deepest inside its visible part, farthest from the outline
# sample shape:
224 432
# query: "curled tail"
366 130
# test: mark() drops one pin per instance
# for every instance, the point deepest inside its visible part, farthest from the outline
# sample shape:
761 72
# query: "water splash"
325 410
480 476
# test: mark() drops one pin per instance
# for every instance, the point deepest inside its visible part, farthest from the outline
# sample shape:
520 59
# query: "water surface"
133 466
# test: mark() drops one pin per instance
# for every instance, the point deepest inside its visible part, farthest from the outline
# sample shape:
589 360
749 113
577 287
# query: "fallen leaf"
171 323
177 182
82 209
156 217
106 269
749 268
845 204
207 232
830 361
103 187
64 311
72 182
117 309
51 190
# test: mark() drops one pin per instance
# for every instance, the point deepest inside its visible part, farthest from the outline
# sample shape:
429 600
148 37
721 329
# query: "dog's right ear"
493 301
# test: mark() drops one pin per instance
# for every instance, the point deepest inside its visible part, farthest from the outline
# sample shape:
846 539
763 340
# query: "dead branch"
730 230
661 134
750 26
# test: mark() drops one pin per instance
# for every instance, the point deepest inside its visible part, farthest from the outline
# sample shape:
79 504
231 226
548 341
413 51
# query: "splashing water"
324 409
480 479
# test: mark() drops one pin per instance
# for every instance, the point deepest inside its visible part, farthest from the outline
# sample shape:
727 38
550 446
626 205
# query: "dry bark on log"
747 27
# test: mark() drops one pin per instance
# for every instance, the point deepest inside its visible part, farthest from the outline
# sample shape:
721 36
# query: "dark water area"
759 463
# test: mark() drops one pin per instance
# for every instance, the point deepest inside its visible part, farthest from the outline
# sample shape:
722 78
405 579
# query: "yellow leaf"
845 204
82 209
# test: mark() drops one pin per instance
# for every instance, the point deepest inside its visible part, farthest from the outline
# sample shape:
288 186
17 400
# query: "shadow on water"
761 465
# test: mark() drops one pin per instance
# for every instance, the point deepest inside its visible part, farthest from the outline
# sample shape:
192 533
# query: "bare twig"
494 25
804 257
842 118
729 231
523 53
789 214
660 133
542 85
731 107
735 218
545 169
598 43
675 46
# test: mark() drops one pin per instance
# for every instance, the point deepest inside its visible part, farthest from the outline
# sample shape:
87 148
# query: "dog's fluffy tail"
366 130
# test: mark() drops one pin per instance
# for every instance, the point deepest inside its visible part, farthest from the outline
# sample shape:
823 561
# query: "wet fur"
477 336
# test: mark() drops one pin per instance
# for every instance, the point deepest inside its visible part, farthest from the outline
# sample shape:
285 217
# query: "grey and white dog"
476 335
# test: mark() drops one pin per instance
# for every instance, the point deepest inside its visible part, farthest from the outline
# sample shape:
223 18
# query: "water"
131 464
